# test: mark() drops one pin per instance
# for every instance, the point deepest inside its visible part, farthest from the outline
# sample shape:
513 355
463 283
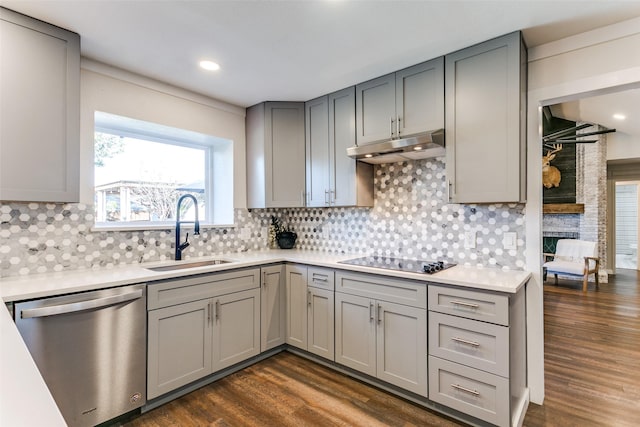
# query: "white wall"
587 64
622 146
115 91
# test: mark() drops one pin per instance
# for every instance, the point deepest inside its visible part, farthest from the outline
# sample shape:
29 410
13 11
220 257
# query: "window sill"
145 227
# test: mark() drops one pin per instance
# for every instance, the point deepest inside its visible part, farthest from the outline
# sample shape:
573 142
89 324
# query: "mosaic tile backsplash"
410 219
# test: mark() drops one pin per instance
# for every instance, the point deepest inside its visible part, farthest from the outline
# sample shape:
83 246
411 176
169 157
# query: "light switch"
510 241
470 239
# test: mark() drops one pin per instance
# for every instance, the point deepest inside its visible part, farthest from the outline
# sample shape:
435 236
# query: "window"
142 168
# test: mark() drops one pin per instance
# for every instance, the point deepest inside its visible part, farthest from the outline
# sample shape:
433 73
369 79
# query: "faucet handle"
182 246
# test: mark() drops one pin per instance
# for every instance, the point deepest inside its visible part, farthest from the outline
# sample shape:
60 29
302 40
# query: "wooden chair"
574 258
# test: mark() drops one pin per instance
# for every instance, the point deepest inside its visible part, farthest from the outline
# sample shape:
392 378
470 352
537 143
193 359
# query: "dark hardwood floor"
592 377
592 354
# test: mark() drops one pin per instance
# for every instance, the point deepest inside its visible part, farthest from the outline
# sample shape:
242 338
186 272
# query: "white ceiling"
600 110
298 50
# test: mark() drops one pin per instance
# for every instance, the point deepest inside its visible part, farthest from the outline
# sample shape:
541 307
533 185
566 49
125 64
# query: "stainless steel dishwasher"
90 348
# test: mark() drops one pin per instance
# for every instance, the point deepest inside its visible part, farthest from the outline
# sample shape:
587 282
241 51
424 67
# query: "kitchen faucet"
196 226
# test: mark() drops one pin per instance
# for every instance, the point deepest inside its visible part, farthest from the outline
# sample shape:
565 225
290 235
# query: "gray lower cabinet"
199 325
236 328
40 110
310 309
474 360
485 92
381 328
179 346
477 353
273 311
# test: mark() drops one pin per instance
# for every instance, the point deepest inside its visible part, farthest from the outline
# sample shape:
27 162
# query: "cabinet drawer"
321 278
401 291
476 305
164 293
476 344
477 393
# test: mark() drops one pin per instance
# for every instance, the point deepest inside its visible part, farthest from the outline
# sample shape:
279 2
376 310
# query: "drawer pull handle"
466 390
467 342
320 279
464 304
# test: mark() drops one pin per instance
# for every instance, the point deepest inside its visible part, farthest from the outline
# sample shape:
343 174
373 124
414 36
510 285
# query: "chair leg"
597 279
585 282
556 277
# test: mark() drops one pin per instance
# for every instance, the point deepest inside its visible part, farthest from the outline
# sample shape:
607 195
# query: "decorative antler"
556 148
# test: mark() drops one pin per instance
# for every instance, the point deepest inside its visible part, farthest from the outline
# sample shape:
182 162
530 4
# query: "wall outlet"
510 241
245 233
326 231
470 239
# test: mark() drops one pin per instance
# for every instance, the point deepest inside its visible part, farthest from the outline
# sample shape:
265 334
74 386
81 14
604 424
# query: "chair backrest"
574 250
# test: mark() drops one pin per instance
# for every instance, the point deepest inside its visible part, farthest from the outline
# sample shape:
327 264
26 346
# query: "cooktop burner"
410 265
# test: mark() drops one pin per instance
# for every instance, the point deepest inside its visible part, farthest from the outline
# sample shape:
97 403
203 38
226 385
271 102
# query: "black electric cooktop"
400 264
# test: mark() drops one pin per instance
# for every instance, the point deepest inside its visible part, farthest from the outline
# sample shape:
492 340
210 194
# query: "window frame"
148 131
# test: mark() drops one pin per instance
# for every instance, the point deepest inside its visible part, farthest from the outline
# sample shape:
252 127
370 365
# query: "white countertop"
50 284
24 397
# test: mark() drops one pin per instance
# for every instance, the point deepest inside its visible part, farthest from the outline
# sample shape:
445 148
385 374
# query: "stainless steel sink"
182 266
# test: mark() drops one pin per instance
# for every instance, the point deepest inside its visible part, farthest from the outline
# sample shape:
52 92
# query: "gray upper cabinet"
317 144
486 121
376 109
420 98
40 110
275 155
404 103
333 178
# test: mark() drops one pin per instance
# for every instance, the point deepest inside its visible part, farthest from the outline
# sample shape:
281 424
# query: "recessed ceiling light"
619 116
209 65
368 156
418 147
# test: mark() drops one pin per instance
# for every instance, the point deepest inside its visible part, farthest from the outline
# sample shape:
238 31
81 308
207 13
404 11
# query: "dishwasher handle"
81 305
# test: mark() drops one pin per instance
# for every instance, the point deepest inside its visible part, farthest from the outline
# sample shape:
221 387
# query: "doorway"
623 184
627 225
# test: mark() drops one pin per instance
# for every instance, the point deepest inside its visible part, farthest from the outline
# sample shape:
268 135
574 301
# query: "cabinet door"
236 328
350 182
420 97
284 154
317 144
376 110
355 333
402 346
320 328
297 302
273 308
484 90
40 110
179 346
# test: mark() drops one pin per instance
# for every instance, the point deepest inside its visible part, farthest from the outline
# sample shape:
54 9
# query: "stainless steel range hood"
421 146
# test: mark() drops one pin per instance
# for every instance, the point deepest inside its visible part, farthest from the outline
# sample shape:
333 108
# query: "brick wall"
591 189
